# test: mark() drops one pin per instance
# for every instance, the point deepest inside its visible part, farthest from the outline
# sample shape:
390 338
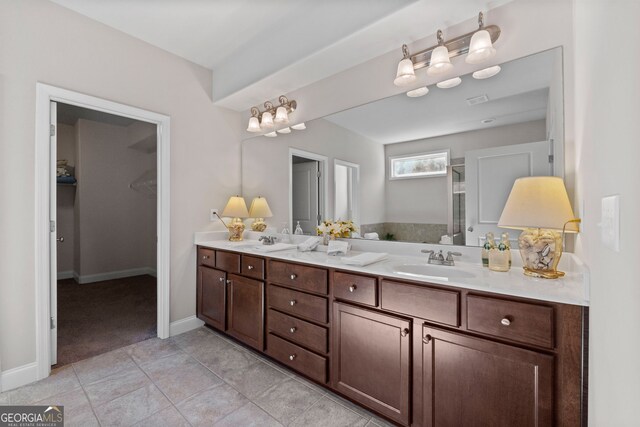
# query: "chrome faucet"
439 259
267 240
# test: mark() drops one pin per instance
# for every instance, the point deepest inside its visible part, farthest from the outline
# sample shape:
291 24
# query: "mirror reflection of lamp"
259 210
237 209
540 206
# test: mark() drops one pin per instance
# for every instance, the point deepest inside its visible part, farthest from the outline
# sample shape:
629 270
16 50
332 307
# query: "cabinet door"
246 310
212 297
470 381
371 362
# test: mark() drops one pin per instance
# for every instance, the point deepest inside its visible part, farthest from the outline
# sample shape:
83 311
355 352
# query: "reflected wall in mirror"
433 169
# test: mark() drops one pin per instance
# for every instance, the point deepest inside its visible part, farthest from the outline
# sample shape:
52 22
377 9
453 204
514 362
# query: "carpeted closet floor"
98 317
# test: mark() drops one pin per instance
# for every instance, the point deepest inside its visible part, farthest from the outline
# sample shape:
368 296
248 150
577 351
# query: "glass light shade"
267 120
448 84
236 208
260 208
271 134
299 126
281 115
254 125
485 73
284 130
440 62
480 48
415 93
406 74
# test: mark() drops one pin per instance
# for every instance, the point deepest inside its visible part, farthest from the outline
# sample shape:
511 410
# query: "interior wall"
607 129
424 200
66 196
265 168
92 58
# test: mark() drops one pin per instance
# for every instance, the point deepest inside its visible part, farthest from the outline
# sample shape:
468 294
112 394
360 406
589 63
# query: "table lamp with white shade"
237 209
540 206
259 210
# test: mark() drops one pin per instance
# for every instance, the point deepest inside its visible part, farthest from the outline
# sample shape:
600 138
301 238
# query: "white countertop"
571 289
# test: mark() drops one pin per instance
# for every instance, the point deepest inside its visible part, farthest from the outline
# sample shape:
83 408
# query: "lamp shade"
406 74
281 115
254 125
236 208
260 208
440 62
538 202
267 120
480 47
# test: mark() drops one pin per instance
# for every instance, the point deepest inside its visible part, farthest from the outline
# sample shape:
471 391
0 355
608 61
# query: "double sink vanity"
418 344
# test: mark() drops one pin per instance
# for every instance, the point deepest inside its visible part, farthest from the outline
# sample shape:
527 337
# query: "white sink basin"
432 271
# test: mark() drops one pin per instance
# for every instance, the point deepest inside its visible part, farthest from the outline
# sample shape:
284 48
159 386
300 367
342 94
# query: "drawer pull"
293 356
292 302
293 276
205 256
221 279
228 282
352 288
293 329
250 267
426 339
505 321
404 332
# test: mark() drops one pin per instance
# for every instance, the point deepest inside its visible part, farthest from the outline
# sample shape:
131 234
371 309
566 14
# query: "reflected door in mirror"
305 193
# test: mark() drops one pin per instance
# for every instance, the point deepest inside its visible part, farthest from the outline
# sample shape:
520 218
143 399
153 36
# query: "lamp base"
236 229
541 250
259 225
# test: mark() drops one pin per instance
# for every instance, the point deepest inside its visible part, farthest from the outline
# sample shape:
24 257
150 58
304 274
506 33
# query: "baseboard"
110 275
184 325
70 274
17 377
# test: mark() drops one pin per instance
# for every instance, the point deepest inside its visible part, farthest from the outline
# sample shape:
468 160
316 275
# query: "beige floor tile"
77 410
210 406
287 400
133 407
116 385
199 341
349 405
255 379
168 417
379 422
249 415
327 412
224 360
155 348
60 381
102 366
180 376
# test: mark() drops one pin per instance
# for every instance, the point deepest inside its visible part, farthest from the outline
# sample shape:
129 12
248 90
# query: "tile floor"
199 378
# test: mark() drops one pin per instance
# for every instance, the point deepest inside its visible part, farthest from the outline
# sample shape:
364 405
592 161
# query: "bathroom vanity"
480 348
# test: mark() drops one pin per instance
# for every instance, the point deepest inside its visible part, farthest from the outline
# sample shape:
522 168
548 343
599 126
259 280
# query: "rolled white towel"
310 244
371 236
274 248
365 258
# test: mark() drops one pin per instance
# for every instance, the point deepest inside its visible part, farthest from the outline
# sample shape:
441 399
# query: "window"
419 165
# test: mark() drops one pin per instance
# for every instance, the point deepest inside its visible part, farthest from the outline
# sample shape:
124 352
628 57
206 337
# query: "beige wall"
43 42
607 132
66 197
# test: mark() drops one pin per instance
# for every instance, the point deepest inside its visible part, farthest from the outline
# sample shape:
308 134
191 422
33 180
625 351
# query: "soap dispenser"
286 234
489 243
298 229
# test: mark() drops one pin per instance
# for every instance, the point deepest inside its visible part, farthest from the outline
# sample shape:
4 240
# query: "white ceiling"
259 49
519 93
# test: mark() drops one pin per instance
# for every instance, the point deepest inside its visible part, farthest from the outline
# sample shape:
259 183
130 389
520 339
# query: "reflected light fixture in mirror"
271 134
405 74
259 210
237 209
415 93
480 48
485 73
448 84
440 62
284 130
299 126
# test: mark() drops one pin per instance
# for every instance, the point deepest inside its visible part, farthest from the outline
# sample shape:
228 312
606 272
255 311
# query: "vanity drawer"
298 276
307 334
516 321
352 287
206 257
297 303
228 261
252 267
436 305
303 361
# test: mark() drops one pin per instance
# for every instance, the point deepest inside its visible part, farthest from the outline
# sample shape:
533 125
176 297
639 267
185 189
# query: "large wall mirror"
433 169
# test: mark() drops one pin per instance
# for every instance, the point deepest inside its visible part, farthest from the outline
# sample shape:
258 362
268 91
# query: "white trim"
185 325
45 94
110 275
19 376
324 183
69 274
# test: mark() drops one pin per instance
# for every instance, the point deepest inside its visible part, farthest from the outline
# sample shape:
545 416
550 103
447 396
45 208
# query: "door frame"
45 94
324 181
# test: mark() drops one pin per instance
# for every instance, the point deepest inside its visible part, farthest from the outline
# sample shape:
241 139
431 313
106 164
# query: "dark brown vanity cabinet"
372 360
469 381
246 310
212 297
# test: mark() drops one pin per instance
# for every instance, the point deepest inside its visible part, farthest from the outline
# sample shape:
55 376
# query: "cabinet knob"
293 356
505 321
228 282
292 302
293 329
205 256
352 288
427 339
221 279
293 276
250 267
404 332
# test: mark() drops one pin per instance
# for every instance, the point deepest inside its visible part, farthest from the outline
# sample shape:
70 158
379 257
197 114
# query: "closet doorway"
102 258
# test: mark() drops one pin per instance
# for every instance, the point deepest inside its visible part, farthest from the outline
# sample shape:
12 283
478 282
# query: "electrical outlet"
213 214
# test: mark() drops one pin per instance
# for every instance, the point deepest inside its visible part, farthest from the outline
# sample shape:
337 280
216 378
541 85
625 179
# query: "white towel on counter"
365 258
274 248
310 244
371 236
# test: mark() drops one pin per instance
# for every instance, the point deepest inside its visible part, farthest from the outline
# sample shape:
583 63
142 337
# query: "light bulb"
485 73
480 48
254 125
281 115
267 120
440 62
448 84
406 74
421 91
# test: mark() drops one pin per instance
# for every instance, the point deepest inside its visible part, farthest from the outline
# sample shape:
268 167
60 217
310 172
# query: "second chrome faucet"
439 259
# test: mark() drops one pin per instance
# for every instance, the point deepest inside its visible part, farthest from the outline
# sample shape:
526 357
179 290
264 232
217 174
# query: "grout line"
86 395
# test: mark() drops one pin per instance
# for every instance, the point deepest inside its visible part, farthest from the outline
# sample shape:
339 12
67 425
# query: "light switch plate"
212 214
610 222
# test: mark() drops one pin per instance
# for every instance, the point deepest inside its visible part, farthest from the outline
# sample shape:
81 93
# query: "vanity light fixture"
478 44
485 73
415 93
299 126
448 84
272 115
